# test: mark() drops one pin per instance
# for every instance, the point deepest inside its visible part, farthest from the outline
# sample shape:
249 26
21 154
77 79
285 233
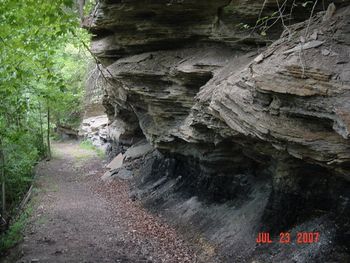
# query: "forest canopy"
42 71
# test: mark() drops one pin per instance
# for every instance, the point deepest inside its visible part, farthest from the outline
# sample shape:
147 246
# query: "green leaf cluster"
14 234
42 65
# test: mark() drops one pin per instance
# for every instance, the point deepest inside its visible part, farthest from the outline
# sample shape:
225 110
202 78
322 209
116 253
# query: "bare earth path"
79 218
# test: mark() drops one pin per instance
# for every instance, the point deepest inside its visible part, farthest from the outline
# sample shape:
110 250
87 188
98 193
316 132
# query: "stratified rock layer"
264 129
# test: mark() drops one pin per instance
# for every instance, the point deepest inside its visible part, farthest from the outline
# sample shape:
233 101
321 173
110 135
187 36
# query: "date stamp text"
286 238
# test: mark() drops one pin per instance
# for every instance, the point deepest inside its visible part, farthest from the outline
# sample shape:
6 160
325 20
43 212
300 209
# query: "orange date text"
287 238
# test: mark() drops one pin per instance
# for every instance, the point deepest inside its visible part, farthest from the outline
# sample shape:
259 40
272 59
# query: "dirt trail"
79 218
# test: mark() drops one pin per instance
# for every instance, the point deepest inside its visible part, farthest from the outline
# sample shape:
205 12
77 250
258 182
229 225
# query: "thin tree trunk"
2 172
18 117
41 128
48 134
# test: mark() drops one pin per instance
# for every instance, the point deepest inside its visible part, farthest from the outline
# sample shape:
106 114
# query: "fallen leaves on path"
163 243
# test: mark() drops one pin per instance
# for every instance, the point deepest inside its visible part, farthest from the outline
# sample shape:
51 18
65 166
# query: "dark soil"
79 218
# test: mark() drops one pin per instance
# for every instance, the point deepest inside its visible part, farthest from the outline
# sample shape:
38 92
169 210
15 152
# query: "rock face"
94 126
261 135
95 129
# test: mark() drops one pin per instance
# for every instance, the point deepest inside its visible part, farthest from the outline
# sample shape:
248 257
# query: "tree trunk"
41 128
48 134
2 172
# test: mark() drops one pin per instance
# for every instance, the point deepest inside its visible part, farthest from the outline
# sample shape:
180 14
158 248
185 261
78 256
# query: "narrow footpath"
79 218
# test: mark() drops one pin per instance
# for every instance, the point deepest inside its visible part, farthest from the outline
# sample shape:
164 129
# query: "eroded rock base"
224 214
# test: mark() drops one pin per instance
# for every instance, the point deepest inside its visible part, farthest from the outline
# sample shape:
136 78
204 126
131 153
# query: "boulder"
123 174
116 163
138 150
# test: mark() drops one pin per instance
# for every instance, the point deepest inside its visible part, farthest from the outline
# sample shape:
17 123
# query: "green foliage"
71 64
87 145
21 154
264 23
14 234
42 66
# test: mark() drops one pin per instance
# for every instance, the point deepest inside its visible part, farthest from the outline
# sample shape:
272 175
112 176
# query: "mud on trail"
79 218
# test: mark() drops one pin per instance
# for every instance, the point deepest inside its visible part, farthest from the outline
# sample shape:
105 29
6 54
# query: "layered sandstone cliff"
250 125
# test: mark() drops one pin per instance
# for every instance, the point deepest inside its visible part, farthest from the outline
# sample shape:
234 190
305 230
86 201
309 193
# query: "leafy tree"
42 66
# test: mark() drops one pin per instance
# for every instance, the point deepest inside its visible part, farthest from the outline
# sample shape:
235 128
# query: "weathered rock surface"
116 163
95 129
66 132
94 126
247 138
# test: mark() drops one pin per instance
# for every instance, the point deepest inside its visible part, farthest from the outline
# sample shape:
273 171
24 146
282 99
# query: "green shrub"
15 232
21 153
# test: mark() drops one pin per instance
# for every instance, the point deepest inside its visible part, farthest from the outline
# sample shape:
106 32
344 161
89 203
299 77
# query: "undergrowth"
87 145
14 234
